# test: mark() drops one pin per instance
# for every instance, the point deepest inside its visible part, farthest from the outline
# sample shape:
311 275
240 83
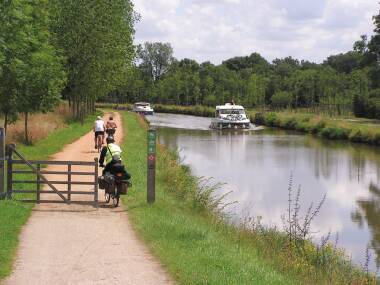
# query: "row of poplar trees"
78 50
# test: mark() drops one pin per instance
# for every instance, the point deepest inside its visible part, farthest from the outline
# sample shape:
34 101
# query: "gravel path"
75 244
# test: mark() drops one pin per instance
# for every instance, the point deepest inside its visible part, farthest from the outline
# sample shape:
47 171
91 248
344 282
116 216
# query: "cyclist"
111 154
110 126
99 130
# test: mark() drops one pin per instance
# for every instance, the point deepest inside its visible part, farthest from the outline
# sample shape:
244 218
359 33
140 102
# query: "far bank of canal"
256 166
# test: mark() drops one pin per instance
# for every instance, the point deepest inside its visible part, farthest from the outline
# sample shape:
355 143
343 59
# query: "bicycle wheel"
115 200
116 197
99 144
107 197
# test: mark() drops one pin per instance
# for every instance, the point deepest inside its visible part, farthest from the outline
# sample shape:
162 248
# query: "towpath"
76 244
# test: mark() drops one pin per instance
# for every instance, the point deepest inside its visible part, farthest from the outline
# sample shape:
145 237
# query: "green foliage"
96 38
32 74
197 110
346 62
282 99
155 59
335 129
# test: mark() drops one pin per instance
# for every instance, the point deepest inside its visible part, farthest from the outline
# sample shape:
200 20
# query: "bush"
355 136
335 133
289 123
259 119
272 120
281 99
317 128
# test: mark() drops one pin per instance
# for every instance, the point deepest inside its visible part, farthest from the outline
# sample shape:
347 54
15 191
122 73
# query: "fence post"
9 171
96 183
2 162
69 183
38 183
151 163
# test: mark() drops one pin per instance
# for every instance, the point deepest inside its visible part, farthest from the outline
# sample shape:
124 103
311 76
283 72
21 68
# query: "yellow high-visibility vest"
112 150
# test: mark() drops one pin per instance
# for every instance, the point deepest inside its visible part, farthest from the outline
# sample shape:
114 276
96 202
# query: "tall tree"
155 58
96 37
374 44
32 76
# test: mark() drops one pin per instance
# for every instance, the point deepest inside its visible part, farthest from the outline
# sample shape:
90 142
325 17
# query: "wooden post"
38 183
96 183
69 184
151 163
9 171
2 162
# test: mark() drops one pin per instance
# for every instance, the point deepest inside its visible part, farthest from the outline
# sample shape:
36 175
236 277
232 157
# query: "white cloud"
215 30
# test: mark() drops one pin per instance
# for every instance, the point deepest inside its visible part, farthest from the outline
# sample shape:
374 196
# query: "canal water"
256 166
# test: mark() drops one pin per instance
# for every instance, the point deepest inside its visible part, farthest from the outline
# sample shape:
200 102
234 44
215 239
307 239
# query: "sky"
215 30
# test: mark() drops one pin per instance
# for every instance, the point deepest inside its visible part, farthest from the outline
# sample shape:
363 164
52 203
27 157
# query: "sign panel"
151 163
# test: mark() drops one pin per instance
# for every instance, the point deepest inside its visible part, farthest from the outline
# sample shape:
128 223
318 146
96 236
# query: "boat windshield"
231 111
142 104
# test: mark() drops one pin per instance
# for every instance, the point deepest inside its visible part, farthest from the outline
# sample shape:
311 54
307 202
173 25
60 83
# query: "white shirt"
99 126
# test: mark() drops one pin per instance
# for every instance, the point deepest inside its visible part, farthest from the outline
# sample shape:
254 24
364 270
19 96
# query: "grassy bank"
358 130
198 110
185 231
13 215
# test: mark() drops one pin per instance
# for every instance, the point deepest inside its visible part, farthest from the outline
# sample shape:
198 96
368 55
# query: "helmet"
110 139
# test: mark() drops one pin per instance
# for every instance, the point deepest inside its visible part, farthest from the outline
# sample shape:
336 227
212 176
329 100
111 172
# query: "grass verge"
13 215
360 131
184 230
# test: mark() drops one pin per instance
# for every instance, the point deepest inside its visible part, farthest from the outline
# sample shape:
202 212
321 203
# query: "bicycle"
114 186
110 132
99 143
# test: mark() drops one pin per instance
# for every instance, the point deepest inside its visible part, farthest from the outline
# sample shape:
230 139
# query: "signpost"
151 162
2 162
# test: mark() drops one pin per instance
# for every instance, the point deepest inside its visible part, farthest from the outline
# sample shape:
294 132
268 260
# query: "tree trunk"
5 122
26 128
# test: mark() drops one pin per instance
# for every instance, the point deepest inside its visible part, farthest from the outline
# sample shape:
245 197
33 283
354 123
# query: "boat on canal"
230 116
143 108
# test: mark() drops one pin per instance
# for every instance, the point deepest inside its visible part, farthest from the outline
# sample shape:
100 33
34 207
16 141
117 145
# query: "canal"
256 166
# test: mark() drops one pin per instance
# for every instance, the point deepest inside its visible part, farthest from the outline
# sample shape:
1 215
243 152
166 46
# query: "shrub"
302 126
259 119
355 136
335 133
281 99
289 123
272 120
318 126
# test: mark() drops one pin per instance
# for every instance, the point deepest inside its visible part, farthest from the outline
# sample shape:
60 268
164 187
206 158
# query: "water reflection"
256 166
368 212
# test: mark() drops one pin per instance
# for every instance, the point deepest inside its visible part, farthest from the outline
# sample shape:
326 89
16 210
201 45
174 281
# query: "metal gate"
24 166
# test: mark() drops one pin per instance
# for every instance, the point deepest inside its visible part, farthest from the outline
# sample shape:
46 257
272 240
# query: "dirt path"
74 244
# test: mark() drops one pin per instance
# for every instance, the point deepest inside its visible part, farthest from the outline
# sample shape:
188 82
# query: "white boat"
143 108
230 116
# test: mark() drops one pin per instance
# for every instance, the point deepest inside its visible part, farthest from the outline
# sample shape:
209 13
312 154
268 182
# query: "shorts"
99 133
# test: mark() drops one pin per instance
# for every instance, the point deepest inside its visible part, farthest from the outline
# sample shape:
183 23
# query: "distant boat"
143 108
230 116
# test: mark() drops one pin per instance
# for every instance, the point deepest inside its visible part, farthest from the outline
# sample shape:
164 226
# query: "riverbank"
185 230
355 130
13 215
352 129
